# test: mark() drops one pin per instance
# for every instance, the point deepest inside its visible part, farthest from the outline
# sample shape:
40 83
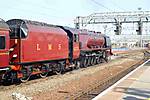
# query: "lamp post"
140 24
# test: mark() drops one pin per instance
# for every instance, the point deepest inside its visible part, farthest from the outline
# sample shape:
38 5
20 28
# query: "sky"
63 12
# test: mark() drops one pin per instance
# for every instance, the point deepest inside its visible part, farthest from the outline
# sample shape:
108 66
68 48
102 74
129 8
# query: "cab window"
18 31
2 42
108 42
76 38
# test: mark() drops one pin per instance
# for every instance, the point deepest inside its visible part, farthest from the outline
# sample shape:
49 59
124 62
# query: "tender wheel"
77 65
44 70
43 75
58 69
9 78
25 77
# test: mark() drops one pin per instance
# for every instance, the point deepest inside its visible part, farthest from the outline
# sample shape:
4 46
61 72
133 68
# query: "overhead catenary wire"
45 11
33 12
101 5
33 4
21 10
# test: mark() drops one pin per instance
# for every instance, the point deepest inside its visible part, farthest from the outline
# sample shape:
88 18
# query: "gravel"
38 87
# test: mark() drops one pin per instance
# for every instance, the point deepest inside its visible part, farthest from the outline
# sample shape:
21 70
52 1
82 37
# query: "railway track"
96 88
34 80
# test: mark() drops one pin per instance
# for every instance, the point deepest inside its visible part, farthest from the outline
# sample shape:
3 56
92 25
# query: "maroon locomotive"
29 47
94 47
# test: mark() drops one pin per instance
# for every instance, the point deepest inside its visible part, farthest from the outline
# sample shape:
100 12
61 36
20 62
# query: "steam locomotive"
34 48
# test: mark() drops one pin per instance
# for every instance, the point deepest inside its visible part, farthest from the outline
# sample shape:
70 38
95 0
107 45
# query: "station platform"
134 86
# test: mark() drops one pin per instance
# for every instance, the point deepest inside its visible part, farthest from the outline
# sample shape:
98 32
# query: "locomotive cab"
73 34
4 46
107 42
108 45
18 32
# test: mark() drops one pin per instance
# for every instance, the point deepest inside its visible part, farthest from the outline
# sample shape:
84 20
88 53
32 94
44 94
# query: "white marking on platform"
122 79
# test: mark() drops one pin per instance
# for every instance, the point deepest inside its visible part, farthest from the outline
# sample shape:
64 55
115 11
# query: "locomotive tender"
29 47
